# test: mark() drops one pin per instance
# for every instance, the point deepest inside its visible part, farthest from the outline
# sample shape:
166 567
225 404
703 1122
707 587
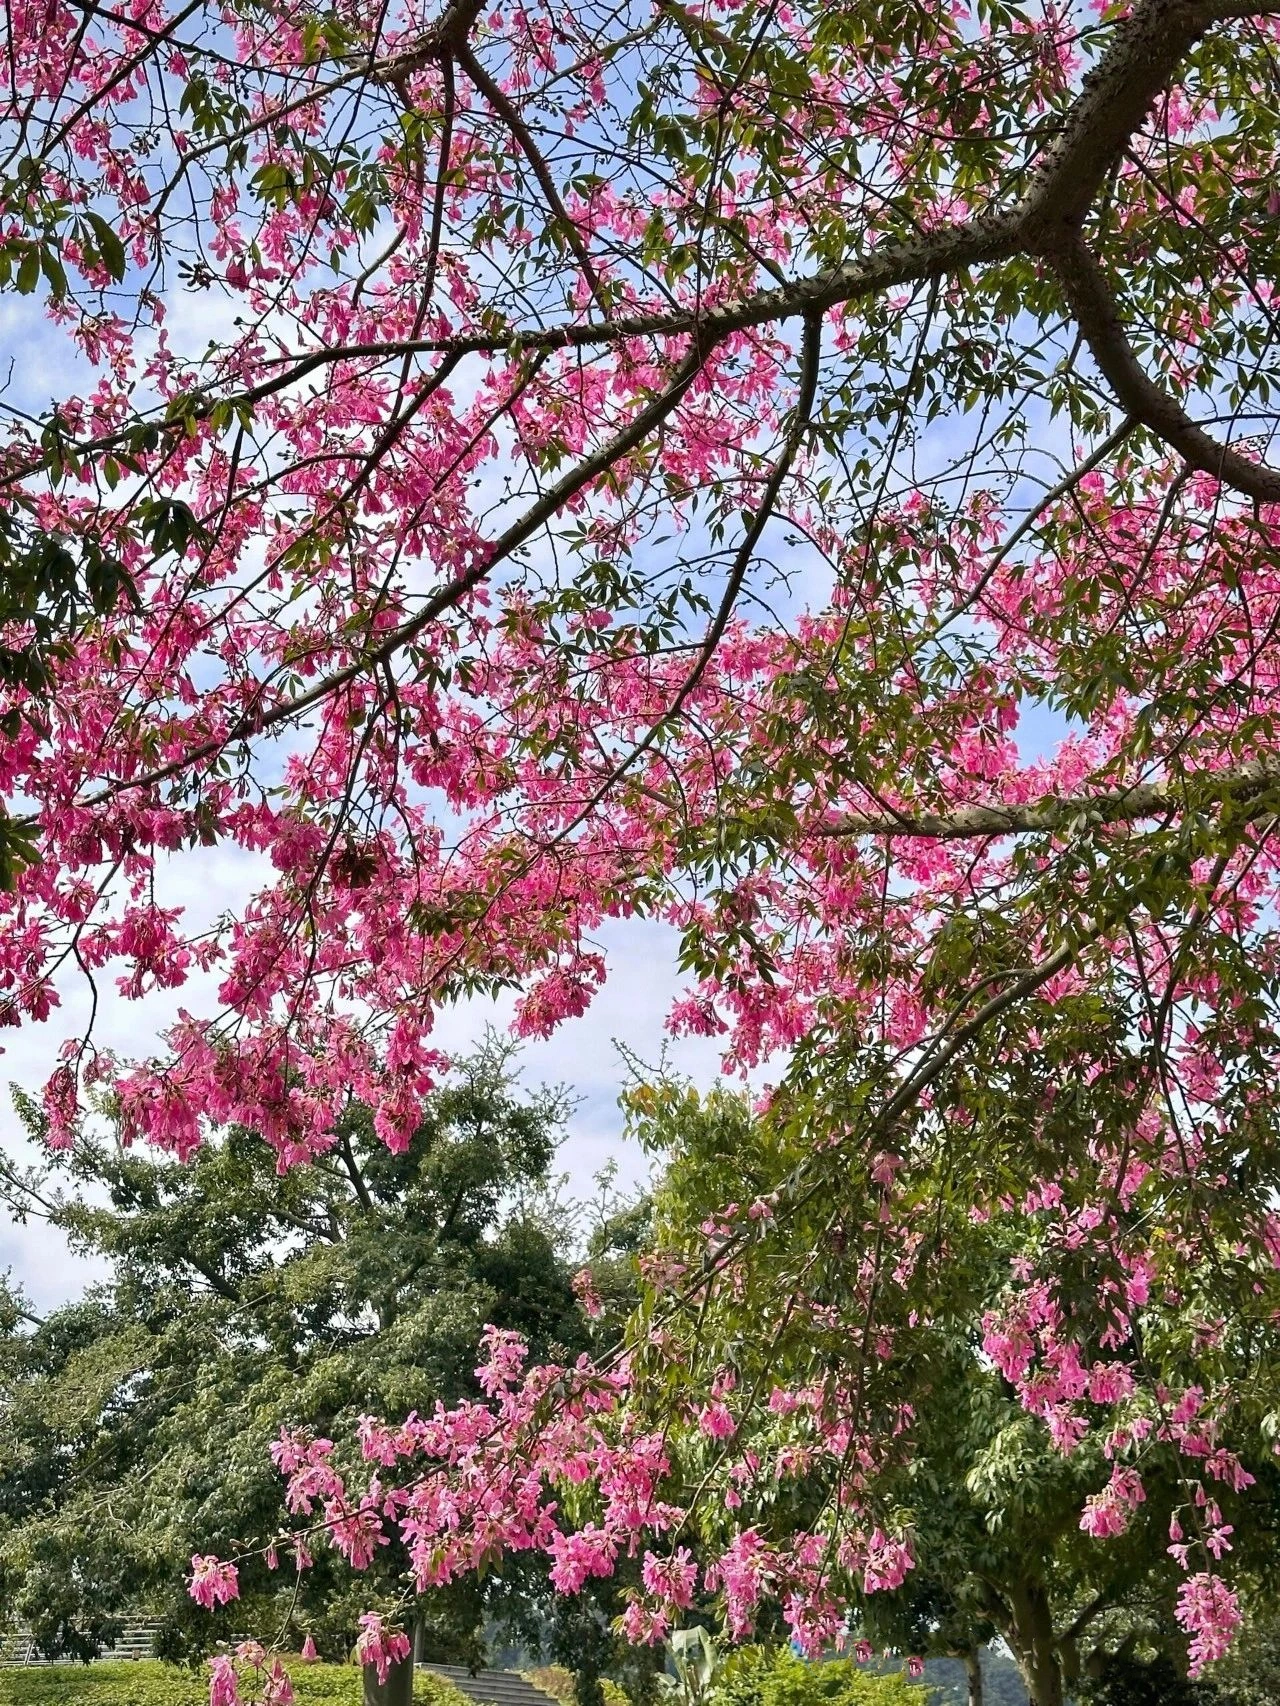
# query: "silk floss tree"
798 473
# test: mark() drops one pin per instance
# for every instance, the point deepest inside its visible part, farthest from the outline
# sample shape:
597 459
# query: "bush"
556 1681
150 1683
1250 1673
781 1679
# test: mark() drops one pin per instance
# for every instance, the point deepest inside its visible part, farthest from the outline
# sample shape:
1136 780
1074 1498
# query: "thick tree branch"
1141 60
1109 805
1096 1606
354 1173
218 1281
1094 308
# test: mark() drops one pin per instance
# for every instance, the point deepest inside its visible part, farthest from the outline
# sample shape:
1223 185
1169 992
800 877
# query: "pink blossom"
1108 1512
644 1625
887 1563
277 1688
590 1551
672 1579
379 1646
1210 1613
716 1421
224 1685
585 1291
212 1582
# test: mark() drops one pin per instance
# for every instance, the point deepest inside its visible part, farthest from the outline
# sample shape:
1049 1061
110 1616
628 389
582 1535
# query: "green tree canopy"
993 1496
138 1419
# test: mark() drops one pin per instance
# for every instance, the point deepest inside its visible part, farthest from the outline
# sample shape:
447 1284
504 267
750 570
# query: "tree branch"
1096 1606
1094 309
354 1174
445 597
506 111
1108 805
1141 60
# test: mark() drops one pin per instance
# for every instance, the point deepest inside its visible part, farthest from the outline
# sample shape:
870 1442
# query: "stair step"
492 1687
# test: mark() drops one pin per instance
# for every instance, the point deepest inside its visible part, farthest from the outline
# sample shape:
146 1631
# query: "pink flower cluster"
1108 1512
467 1484
1210 1613
253 1668
380 1646
213 1583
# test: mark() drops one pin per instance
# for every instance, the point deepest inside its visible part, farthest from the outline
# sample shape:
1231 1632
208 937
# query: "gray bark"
397 1690
1034 1644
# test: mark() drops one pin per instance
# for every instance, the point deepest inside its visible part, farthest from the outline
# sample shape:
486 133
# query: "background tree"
139 1420
1250 1674
582 1632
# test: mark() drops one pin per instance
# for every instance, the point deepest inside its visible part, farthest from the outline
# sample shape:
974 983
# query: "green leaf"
109 246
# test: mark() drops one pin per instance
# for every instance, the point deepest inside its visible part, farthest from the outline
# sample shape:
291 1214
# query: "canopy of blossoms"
798 472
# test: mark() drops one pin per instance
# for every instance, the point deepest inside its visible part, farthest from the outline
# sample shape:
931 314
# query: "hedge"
148 1683
556 1681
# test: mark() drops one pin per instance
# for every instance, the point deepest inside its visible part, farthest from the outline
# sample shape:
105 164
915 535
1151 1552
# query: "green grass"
149 1683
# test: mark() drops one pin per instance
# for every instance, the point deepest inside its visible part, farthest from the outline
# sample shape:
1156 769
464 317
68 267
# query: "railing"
137 1641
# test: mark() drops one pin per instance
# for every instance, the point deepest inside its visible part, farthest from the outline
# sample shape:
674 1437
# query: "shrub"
556 1681
753 1678
1250 1673
1155 1682
150 1683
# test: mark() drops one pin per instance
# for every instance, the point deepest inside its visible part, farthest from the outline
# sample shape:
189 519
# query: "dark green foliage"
1250 1673
1135 1682
138 1420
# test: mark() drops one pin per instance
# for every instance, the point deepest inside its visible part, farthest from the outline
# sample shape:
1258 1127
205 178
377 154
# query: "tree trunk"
1043 1682
973 1675
397 1690
1034 1644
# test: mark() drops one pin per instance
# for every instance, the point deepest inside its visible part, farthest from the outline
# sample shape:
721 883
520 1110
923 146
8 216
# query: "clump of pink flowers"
1108 1512
380 1646
467 1484
1210 1614
213 1582
253 1668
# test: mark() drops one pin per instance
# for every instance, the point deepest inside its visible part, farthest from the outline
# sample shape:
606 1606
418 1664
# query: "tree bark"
973 1675
397 1690
1035 1647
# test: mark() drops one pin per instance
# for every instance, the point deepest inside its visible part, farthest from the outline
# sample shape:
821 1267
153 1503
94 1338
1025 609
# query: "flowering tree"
794 471
1004 1522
